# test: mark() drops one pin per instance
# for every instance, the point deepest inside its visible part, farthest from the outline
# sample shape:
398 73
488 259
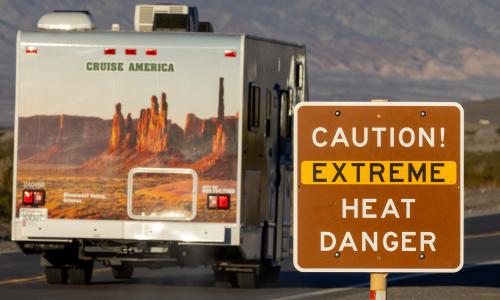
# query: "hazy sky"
66 87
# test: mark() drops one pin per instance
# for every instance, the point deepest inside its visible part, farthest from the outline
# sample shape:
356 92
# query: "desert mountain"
61 139
357 49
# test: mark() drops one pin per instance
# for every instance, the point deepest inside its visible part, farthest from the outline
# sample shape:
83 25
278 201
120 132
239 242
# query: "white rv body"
218 123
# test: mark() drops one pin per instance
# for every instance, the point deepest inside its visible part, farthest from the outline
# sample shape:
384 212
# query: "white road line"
9 251
367 284
39 278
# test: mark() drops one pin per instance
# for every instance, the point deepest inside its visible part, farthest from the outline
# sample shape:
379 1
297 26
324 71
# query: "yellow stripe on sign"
379 172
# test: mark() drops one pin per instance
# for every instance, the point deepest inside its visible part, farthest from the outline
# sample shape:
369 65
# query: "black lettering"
358 171
413 173
378 172
316 172
339 172
393 171
434 172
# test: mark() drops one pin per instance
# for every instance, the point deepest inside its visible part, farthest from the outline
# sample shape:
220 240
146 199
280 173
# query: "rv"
169 145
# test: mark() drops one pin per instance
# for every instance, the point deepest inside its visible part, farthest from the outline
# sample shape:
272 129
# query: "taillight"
28 197
34 197
218 201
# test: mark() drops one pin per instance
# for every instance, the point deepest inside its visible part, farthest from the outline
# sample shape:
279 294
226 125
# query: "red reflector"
31 50
229 53
223 201
218 201
109 51
151 52
130 51
28 197
34 197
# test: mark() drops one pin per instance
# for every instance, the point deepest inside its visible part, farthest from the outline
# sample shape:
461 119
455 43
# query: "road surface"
21 278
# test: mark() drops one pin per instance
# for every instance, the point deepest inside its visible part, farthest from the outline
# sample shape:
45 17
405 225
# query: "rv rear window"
254 107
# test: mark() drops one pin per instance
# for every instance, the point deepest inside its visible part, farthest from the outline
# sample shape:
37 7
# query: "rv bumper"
185 232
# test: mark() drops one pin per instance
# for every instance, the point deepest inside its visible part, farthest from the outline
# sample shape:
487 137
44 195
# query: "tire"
125 271
224 279
81 273
247 280
270 274
55 275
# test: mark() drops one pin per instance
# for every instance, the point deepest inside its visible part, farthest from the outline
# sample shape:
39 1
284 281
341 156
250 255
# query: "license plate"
33 214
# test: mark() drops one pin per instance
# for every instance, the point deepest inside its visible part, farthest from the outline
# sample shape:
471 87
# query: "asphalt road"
21 278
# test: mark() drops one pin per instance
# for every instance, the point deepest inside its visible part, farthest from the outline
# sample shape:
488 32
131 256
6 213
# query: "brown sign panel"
378 187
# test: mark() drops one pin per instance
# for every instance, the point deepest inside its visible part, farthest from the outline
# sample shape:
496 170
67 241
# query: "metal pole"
378 286
378 281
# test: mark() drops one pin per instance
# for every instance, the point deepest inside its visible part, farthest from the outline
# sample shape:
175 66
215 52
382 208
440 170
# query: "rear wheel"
269 274
81 273
56 275
124 271
223 279
247 280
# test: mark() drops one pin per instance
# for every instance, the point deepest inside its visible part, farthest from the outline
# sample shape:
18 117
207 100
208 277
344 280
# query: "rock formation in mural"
117 130
152 140
152 128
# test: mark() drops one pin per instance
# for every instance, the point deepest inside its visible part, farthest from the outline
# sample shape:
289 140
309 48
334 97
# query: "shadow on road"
481 276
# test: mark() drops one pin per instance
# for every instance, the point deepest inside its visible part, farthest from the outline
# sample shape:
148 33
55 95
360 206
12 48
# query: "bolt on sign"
378 187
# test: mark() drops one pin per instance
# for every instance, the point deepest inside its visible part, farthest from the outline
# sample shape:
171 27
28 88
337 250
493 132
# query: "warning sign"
378 187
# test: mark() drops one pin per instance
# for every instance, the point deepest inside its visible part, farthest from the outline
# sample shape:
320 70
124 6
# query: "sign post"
378 286
378 187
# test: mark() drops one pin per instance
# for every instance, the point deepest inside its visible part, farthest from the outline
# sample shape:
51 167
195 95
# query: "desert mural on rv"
83 162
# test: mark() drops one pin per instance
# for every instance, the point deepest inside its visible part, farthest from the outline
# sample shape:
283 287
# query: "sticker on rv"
119 66
33 214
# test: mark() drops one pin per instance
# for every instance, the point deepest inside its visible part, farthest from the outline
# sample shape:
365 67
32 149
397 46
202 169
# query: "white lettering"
314 137
324 235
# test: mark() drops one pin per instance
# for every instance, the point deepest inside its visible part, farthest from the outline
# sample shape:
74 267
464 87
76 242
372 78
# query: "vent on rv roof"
165 17
67 21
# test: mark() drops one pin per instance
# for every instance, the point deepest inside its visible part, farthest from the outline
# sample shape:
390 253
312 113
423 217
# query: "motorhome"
169 145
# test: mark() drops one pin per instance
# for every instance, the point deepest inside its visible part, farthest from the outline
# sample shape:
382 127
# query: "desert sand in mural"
84 162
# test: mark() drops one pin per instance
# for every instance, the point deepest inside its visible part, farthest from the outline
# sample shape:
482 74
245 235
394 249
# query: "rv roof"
147 39
123 38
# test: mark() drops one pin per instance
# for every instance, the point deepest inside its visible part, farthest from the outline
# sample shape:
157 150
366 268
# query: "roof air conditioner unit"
165 18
